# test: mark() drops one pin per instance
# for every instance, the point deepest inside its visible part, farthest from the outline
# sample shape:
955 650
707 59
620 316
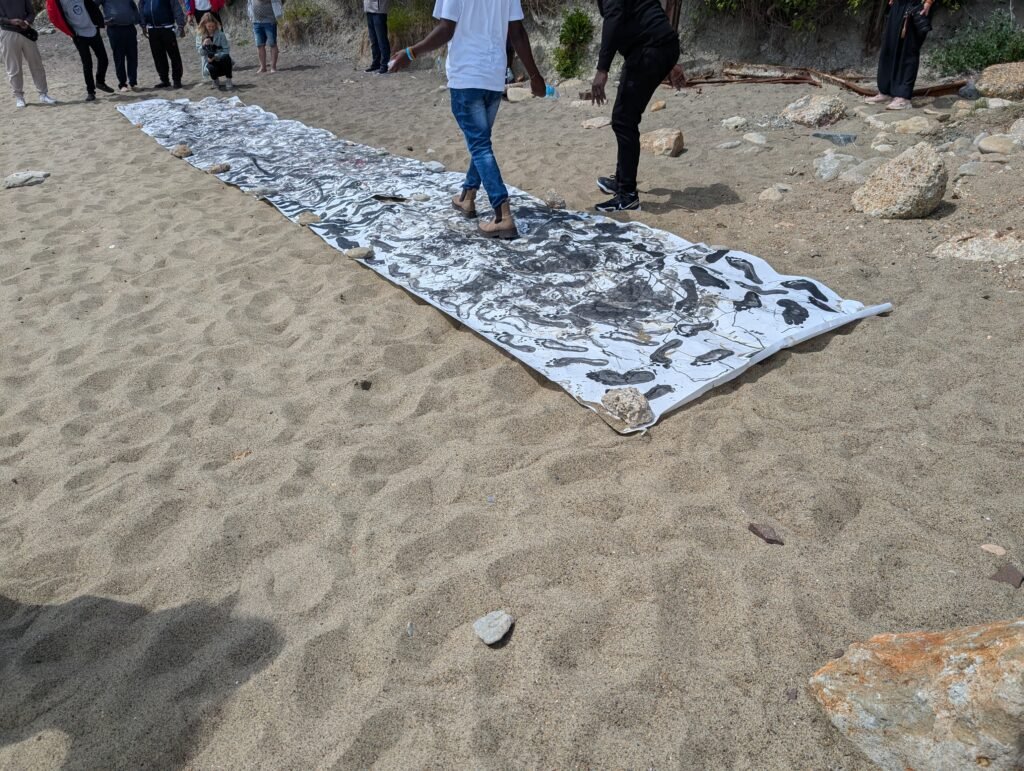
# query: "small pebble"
766 533
992 548
493 627
360 253
792 694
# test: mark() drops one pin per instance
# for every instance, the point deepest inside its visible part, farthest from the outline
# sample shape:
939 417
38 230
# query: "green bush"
573 39
975 46
409 22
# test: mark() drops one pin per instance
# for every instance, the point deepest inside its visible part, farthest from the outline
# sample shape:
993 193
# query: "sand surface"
218 550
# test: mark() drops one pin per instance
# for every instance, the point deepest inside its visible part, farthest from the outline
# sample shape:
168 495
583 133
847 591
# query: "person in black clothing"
641 32
900 56
163 22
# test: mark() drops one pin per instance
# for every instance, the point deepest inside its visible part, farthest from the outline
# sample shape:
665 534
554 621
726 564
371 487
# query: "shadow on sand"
131 688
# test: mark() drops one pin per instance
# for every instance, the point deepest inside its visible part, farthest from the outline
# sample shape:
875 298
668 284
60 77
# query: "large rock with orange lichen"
932 701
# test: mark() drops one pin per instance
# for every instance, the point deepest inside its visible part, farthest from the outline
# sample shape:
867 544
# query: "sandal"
877 98
899 104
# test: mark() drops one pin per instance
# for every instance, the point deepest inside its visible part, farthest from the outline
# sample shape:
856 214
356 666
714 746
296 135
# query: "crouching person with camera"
215 49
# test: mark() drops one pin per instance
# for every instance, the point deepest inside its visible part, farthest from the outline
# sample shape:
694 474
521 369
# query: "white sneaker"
47 99
19 102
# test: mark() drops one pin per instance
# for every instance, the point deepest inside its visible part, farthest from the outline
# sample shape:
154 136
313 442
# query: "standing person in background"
17 43
641 32
264 15
377 21
163 23
476 64
82 20
197 9
121 17
215 48
900 56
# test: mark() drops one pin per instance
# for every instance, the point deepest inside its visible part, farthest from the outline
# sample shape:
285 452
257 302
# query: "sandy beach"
253 497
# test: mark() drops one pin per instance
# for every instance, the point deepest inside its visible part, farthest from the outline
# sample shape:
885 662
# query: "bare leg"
262 51
273 58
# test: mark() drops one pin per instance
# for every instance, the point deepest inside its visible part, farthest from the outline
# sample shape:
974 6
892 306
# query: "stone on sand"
359 253
730 145
1003 81
735 123
925 700
628 405
493 627
1017 129
909 186
181 151
658 106
756 139
859 174
815 110
918 125
990 246
596 123
1000 143
25 179
831 164
666 141
775 193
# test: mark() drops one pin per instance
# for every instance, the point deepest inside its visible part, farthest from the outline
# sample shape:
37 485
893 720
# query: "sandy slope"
218 550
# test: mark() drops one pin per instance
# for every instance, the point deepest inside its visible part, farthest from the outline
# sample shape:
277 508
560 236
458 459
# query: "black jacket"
631 24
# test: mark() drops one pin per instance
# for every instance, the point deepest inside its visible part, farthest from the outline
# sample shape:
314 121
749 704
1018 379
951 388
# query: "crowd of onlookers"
162 22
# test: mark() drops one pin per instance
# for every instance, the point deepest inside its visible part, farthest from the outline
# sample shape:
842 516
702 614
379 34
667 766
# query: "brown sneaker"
503 225
465 203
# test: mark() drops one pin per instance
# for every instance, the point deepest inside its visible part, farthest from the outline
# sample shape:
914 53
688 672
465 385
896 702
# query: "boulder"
1003 81
919 125
1017 129
909 186
664 141
181 151
595 123
937 701
1000 248
1000 143
815 110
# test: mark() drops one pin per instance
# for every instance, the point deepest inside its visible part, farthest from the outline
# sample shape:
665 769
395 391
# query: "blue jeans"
379 43
265 34
475 110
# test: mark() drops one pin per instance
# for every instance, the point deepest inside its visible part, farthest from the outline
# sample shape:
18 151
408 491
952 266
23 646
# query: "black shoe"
383 71
162 84
104 88
373 68
177 84
608 185
621 202
90 97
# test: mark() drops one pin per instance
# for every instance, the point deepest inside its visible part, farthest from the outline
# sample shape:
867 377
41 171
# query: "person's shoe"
47 99
621 202
383 70
228 85
608 185
878 98
215 83
373 68
133 86
162 84
899 104
465 203
502 226
124 89
177 84
104 88
90 97
19 102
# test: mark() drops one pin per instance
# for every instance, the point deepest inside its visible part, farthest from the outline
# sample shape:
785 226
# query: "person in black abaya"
900 56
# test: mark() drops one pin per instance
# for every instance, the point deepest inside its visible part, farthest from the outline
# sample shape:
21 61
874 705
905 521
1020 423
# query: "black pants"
220 68
379 44
900 56
124 47
86 47
163 44
643 72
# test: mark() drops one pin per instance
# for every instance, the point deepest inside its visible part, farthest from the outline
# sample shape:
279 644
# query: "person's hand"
927 9
21 23
181 32
597 95
677 77
398 62
537 85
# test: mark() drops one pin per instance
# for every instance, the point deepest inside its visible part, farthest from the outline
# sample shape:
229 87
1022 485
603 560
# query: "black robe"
900 56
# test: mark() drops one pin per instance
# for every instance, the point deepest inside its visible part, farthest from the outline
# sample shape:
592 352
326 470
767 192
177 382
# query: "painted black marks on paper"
610 377
660 356
704 278
748 303
745 268
793 313
806 286
711 357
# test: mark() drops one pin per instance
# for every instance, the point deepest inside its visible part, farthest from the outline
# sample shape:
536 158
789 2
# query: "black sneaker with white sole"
608 185
621 202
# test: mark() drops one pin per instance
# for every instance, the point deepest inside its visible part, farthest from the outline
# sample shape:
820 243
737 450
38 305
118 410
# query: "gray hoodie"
120 13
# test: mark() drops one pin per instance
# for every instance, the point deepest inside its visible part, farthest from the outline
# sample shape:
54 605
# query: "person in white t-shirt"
477 59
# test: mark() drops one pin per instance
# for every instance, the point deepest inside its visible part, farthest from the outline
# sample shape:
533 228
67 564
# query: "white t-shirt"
476 55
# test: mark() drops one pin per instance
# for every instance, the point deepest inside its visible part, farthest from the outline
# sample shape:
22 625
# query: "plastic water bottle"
550 92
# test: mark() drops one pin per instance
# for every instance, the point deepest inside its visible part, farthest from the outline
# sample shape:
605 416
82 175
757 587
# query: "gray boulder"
909 186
